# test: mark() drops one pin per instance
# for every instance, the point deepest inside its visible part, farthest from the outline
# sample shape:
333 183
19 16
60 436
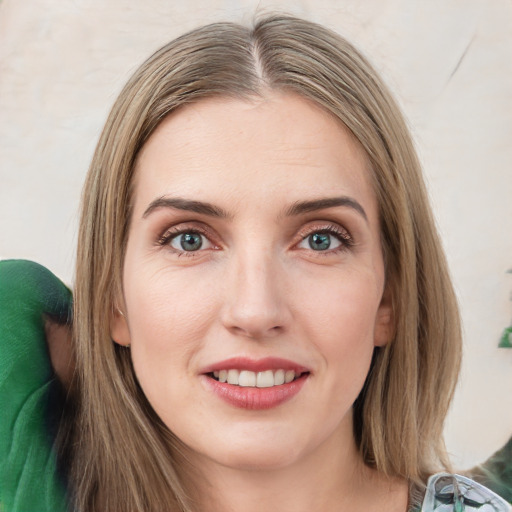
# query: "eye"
189 241
320 241
330 239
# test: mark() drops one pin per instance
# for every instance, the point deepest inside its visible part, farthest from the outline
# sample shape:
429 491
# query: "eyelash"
169 235
342 235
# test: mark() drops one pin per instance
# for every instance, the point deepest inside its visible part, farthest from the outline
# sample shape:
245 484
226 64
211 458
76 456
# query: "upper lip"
255 365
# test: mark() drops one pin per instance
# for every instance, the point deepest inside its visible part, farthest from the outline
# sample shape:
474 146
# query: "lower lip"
255 398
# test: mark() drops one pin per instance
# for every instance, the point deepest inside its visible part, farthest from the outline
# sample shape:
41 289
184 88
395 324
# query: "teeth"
279 378
233 376
246 378
265 379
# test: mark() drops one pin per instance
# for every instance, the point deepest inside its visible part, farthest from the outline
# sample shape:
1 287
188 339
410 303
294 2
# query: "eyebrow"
297 208
186 205
301 207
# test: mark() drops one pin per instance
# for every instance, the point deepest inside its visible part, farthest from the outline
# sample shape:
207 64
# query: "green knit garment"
31 397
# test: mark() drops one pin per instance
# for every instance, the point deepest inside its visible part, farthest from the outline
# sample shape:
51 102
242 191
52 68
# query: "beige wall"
449 61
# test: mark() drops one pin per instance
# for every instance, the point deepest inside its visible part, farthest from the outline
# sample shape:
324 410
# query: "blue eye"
189 242
321 241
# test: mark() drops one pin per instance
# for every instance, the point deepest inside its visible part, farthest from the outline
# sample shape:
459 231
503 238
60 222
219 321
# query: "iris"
191 241
319 241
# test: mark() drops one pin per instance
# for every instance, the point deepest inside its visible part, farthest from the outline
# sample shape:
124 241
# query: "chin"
260 454
259 459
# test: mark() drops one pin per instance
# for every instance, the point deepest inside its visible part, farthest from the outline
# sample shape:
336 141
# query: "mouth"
251 379
255 384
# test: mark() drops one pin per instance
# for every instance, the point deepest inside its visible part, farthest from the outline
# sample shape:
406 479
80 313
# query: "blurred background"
449 63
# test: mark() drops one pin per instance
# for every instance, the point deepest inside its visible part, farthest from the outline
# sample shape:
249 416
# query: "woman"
263 315
283 65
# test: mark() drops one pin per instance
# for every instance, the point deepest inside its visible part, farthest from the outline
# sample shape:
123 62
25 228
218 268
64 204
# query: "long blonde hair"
123 457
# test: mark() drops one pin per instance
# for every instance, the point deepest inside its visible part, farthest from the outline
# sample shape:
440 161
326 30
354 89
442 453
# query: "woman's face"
253 256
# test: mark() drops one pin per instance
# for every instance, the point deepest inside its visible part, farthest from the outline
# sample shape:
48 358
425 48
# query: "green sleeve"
496 472
31 397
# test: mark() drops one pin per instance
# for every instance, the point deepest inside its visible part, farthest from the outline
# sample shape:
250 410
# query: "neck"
332 478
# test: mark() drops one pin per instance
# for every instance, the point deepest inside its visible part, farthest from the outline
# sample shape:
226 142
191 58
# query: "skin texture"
257 289
58 337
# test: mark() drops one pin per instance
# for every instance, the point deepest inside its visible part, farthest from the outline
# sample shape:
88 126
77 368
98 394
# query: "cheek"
343 308
165 305
167 322
340 320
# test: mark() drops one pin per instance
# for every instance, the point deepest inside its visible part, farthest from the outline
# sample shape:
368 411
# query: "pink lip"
255 365
255 398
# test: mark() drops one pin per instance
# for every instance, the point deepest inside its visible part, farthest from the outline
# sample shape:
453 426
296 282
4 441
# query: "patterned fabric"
457 493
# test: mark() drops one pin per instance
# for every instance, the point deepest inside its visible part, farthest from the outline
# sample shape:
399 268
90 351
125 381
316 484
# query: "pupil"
191 241
319 241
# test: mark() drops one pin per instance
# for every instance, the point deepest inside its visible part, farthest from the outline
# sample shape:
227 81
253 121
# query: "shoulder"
452 492
31 396
30 295
32 287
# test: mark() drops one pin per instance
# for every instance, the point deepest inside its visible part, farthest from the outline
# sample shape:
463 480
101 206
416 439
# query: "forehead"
270 146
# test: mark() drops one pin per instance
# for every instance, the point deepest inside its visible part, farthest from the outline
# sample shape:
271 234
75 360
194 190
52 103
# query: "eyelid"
187 227
341 233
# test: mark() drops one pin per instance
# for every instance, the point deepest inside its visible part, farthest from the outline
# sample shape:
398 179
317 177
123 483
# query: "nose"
256 302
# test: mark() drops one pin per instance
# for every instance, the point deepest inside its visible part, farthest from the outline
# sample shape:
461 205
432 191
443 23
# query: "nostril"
254 315
256 332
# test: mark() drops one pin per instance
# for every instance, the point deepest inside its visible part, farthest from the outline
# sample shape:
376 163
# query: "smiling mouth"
250 379
255 384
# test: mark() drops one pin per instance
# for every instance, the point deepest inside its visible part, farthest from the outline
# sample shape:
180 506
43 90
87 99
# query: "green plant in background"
506 337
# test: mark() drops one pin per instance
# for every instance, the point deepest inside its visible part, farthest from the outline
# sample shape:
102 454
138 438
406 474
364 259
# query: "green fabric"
31 397
496 472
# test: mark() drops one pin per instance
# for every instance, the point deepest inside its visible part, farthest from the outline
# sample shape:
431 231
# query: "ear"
385 320
119 331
